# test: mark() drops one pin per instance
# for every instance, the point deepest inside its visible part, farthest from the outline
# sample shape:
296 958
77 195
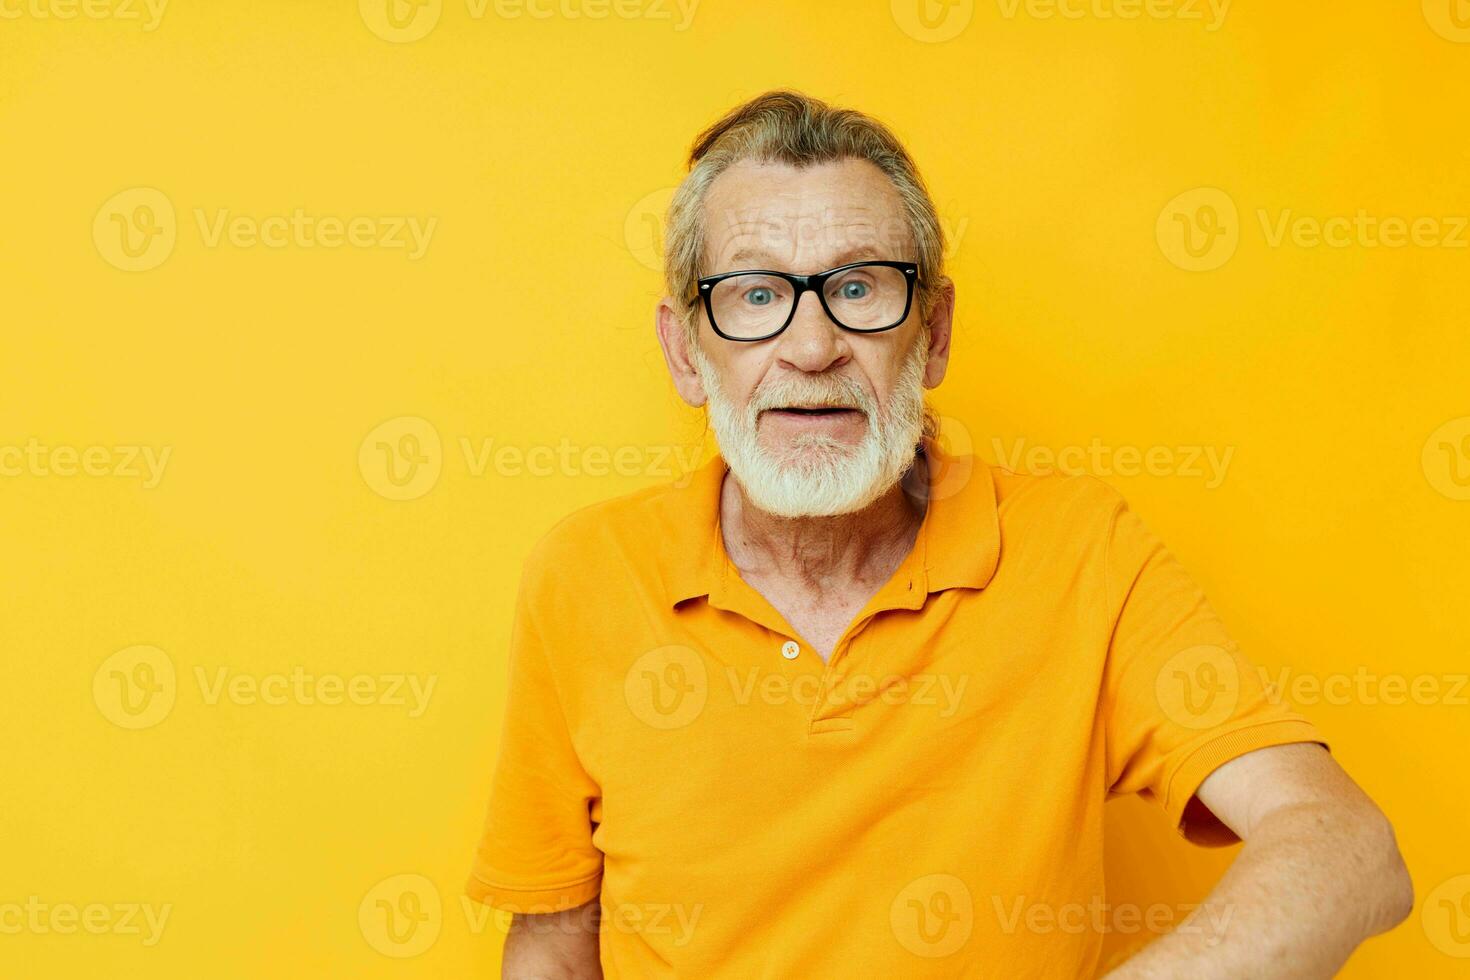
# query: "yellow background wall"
1337 377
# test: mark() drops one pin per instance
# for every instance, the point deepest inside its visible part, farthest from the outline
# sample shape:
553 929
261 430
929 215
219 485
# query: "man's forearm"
557 946
1312 883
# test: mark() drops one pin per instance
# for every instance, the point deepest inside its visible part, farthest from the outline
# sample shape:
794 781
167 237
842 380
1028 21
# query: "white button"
790 650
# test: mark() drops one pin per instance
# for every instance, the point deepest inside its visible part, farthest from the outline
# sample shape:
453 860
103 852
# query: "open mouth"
817 412
822 416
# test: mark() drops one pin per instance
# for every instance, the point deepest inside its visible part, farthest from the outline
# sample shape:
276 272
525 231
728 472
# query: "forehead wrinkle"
828 243
751 224
856 253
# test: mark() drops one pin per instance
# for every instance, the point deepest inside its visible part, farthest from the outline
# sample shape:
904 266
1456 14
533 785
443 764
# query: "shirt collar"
958 544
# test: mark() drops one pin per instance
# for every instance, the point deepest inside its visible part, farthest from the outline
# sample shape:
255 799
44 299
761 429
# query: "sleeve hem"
535 900
1199 763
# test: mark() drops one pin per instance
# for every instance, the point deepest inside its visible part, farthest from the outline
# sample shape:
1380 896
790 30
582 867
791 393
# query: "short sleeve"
1179 699
536 853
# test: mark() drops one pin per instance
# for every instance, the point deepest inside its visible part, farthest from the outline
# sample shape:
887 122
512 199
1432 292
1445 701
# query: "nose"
812 343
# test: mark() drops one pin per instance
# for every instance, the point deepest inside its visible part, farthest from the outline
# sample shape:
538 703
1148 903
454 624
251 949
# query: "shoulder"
1072 528
606 540
1056 524
1069 504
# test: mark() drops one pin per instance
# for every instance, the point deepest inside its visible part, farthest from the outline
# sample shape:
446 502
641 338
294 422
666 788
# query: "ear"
674 339
940 322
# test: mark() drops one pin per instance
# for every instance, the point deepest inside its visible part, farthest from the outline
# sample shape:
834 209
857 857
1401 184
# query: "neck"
823 553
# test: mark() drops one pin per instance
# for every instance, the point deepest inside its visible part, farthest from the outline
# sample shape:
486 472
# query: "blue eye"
760 296
854 290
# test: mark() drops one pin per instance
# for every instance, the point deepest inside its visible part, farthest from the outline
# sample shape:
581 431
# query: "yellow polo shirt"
902 810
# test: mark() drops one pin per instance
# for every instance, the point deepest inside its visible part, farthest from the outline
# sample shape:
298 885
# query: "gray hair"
788 127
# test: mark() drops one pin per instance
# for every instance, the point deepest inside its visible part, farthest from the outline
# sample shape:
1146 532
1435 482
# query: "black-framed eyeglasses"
757 304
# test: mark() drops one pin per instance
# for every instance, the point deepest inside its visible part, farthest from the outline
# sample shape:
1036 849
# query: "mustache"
836 391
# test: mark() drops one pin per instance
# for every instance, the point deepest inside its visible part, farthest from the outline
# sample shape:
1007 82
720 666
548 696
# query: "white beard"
818 476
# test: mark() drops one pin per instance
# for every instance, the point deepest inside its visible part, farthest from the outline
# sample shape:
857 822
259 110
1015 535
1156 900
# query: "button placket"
826 716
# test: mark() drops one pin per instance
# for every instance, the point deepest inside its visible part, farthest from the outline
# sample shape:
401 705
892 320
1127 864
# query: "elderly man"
849 705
